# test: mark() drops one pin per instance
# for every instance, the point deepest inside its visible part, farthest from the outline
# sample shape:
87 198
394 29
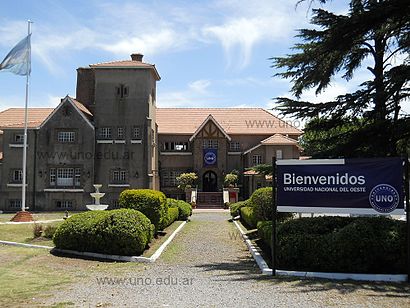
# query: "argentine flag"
18 59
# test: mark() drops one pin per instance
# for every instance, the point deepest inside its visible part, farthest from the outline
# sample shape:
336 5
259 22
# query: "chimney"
137 57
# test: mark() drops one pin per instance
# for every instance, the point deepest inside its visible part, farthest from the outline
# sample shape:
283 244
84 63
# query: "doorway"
210 181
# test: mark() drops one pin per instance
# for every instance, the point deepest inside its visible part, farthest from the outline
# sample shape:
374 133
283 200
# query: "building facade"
113 134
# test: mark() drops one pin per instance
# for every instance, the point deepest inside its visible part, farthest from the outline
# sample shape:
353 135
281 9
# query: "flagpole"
23 191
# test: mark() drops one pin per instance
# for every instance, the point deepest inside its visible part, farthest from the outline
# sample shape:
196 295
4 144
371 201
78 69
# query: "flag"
18 59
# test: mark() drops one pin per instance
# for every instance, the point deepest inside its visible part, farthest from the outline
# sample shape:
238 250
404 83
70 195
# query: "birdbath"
97 195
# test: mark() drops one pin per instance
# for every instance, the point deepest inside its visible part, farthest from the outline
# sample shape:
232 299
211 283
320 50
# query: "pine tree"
372 30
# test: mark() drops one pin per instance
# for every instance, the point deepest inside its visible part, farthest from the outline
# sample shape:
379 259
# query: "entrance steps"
209 200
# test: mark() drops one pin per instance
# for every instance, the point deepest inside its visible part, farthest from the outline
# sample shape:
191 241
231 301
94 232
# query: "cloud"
196 94
250 24
200 86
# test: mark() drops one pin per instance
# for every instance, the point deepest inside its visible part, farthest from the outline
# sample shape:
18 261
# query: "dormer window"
121 91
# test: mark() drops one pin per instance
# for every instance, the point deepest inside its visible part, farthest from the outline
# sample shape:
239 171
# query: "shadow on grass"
245 269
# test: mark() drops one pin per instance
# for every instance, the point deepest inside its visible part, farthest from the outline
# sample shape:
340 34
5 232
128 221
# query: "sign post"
406 189
274 212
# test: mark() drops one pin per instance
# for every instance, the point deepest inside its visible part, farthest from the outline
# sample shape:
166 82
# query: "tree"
265 169
375 31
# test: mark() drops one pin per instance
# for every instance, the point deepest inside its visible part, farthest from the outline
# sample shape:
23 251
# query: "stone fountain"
97 195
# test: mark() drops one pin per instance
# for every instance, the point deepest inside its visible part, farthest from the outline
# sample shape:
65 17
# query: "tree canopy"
375 34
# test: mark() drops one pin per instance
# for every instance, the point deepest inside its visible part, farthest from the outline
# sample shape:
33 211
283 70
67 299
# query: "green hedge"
119 232
340 244
151 203
261 201
248 216
185 209
235 207
173 213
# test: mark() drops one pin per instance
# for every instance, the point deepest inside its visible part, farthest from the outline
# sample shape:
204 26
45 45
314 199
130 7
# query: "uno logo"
210 158
384 198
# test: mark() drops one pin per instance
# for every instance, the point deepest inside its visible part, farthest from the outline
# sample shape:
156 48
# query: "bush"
37 230
261 201
235 207
340 244
173 213
230 179
49 231
248 216
186 180
151 203
185 209
119 232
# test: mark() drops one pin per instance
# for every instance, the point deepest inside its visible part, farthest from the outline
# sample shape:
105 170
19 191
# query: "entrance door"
210 181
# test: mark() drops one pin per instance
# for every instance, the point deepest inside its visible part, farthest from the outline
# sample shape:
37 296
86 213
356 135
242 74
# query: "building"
113 134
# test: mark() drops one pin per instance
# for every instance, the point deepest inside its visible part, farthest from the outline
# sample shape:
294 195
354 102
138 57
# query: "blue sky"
208 53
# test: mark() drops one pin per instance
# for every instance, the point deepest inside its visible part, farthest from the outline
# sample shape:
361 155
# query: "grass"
23 233
157 242
33 273
37 216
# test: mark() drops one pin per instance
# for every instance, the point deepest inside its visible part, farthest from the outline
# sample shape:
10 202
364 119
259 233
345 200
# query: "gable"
210 129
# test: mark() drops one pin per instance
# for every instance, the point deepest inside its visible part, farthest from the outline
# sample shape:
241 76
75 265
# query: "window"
169 178
121 91
77 179
279 154
105 133
66 137
235 146
19 138
176 146
17 176
65 177
15 204
119 176
64 204
210 144
257 160
115 204
136 133
120 133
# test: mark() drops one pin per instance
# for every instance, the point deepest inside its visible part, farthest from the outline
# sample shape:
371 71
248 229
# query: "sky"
208 53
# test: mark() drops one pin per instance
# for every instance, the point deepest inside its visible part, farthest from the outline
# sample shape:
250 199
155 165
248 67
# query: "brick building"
113 134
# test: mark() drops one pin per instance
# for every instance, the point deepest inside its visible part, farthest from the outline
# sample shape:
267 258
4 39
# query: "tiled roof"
254 121
14 117
279 139
123 63
134 63
82 107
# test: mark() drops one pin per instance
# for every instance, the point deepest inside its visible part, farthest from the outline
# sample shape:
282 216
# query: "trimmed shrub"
261 200
185 209
248 216
340 244
235 207
49 231
119 232
173 213
150 202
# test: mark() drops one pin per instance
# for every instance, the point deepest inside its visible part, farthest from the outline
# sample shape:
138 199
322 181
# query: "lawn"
37 216
23 233
27 273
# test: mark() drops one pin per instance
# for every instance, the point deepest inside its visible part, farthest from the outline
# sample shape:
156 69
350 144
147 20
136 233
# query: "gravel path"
208 265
